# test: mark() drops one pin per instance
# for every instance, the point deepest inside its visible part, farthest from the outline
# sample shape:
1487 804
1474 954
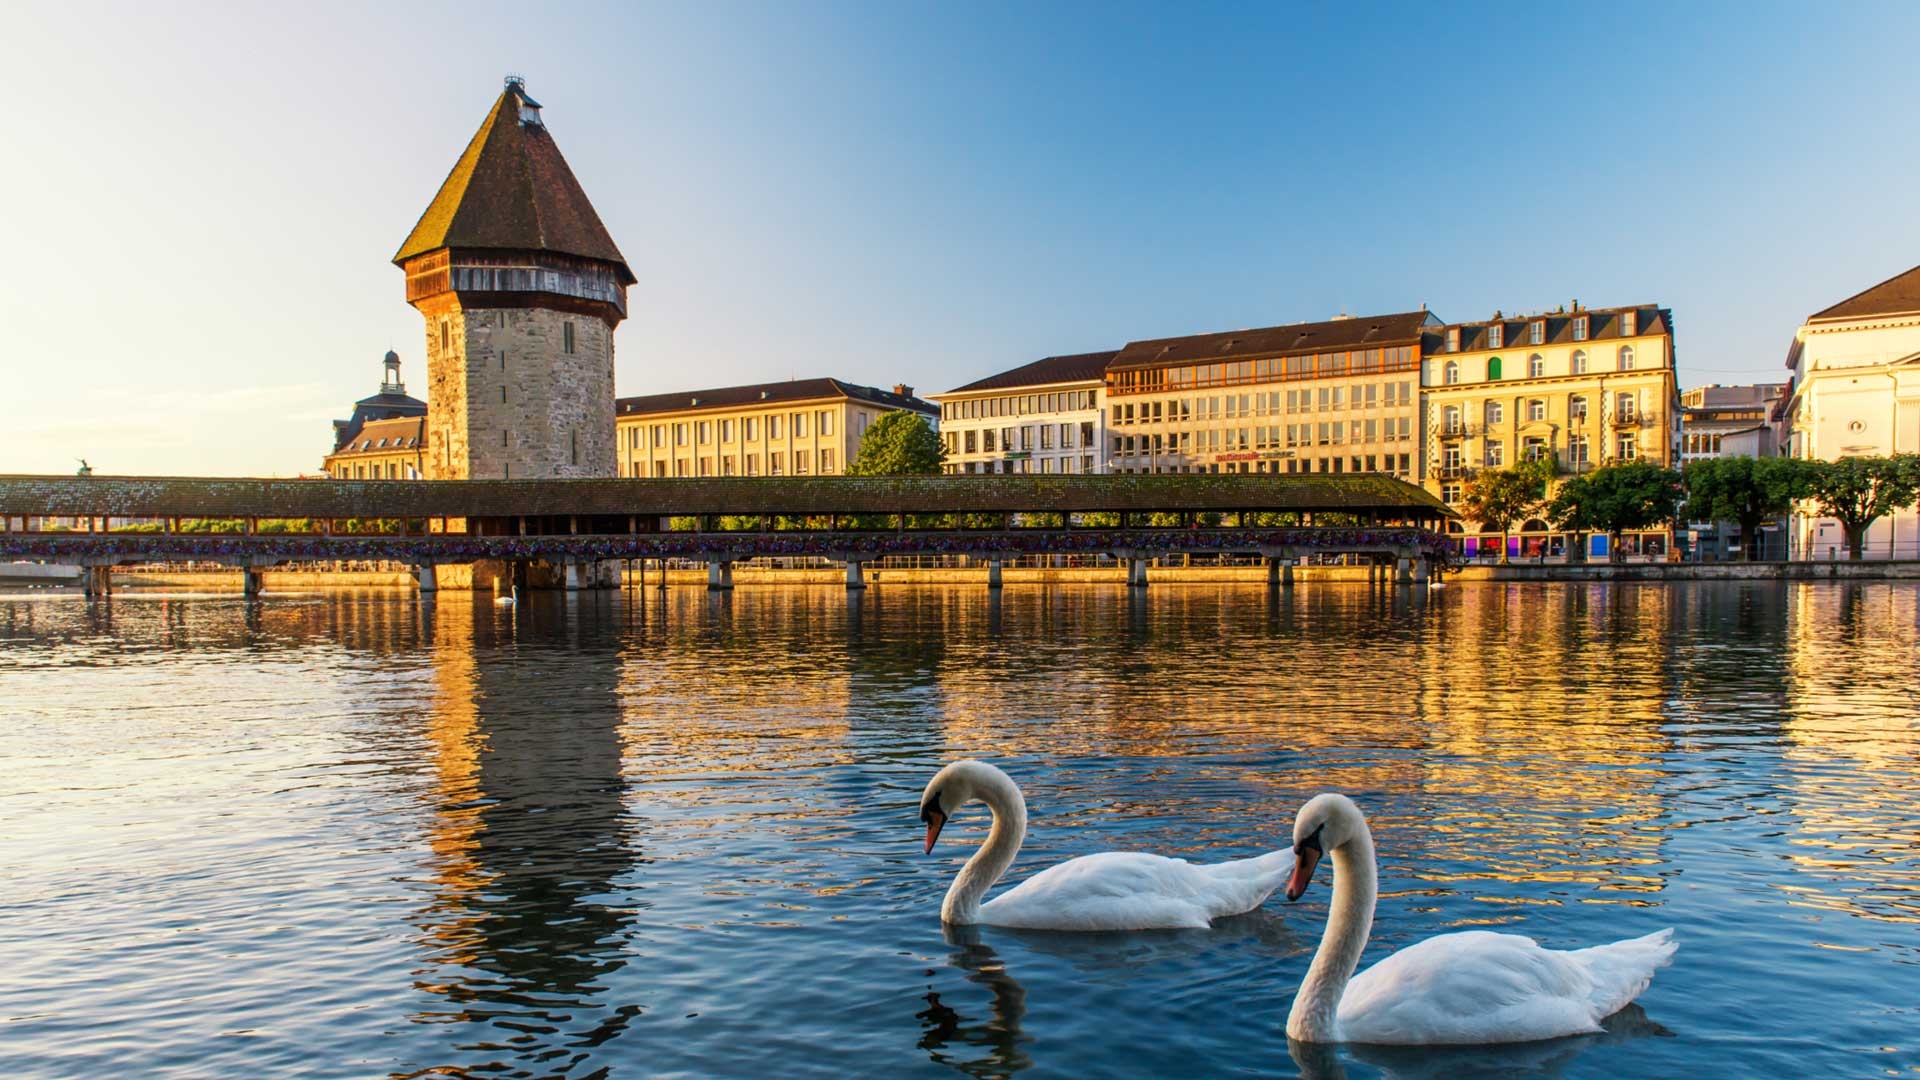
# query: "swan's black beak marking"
935 818
1306 856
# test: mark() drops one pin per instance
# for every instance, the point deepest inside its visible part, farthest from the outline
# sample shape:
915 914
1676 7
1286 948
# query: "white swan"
1473 987
1114 890
509 600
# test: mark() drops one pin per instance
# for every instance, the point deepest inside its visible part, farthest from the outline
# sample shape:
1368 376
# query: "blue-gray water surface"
662 835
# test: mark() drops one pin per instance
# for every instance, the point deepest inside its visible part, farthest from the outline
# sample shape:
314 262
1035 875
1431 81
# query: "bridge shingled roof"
154 496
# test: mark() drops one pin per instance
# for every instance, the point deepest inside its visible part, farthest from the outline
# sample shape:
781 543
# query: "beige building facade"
382 450
1331 397
1045 417
803 427
1586 387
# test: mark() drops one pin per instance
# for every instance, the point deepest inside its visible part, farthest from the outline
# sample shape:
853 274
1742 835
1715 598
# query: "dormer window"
1579 328
1453 339
1495 335
1629 323
1536 331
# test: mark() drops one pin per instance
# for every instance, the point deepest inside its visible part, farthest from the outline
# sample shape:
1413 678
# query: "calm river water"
353 835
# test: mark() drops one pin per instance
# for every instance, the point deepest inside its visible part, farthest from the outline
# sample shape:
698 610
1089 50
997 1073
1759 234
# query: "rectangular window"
1536 331
968 442
1536 409
826 461
1580 328
680 467
746 428
1577 451
1623 407
726 465
1496 454
799 431
1046 436
503 395
776 463
800 462
706 466
680 434
446 336
986 440
1629 323
726 431
1629 446
1453 339
706 434
773 427
566 338
826 425
1496 336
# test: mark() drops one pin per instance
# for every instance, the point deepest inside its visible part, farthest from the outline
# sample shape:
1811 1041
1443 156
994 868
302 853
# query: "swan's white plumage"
1128 890
1483 987
1109 891
1468 988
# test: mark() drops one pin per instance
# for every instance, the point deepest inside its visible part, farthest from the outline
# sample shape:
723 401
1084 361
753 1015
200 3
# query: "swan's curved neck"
1009 808
1316 1009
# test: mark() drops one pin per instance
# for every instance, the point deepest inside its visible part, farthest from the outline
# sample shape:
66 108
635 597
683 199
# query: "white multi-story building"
1043 417
1727 421
1856 393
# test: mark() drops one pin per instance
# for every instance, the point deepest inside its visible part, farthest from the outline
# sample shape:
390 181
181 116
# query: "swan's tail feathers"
1620 971
1245 884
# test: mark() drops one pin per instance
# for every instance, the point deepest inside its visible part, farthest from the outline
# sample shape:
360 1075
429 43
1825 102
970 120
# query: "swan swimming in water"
1114 890
509 600
1466 988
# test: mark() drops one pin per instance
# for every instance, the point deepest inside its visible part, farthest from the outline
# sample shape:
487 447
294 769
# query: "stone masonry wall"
532 411
447 457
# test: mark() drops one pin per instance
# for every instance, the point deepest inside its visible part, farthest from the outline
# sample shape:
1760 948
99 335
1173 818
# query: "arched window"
1536 366
1452 372
1493 368
1579 361
1495 413
1626 358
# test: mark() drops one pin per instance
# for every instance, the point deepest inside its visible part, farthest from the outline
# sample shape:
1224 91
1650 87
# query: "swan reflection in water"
1507 1061
1106 964
949 1035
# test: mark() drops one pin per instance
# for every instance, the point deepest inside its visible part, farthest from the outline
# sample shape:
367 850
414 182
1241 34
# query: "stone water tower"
521 288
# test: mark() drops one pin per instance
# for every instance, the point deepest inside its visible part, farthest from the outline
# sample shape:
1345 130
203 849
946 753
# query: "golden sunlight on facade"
797 428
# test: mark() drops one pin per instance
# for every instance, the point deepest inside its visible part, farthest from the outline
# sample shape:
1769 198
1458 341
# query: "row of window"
1027 437
1537 331
1578 364
1271 369
1266 403
1397 464
1017 405
702 432
391 470
1266 437
1047 465
370 444
1700 442
1576 457
803 462
1453 417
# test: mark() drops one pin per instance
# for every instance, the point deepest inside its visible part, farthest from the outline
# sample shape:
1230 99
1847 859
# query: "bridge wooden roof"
153 496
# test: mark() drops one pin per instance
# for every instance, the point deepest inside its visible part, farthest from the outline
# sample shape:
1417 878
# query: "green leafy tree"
1616 499
1857 491
1496 498
900 443
1746 490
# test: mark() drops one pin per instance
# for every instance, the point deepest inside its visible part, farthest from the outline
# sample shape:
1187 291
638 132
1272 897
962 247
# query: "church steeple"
521 288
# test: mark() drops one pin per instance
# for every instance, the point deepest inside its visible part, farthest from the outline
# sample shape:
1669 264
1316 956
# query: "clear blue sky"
200 201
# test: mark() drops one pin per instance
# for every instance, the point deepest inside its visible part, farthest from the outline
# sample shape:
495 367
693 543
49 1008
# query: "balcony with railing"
1460 430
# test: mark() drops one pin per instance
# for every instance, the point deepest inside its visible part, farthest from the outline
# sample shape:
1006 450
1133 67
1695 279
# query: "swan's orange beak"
1306 856
935 822
1304 861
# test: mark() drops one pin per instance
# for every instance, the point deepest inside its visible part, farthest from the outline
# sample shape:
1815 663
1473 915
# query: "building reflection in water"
529 838
1851 657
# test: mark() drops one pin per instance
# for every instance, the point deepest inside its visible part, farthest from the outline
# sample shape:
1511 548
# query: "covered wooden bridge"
560 532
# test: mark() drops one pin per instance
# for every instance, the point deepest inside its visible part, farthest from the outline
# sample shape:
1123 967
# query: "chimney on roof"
1576 303
903 389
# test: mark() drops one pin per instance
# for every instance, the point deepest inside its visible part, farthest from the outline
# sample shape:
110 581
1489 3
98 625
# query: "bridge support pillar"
97 581
576 576
1403 570
993 573
1420 569
251 581
1286 573
1137 573
719 575
662 583
1273 573
856 578
427 576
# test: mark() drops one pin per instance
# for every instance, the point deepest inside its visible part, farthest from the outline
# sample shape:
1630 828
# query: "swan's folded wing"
1110 891
1473 987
